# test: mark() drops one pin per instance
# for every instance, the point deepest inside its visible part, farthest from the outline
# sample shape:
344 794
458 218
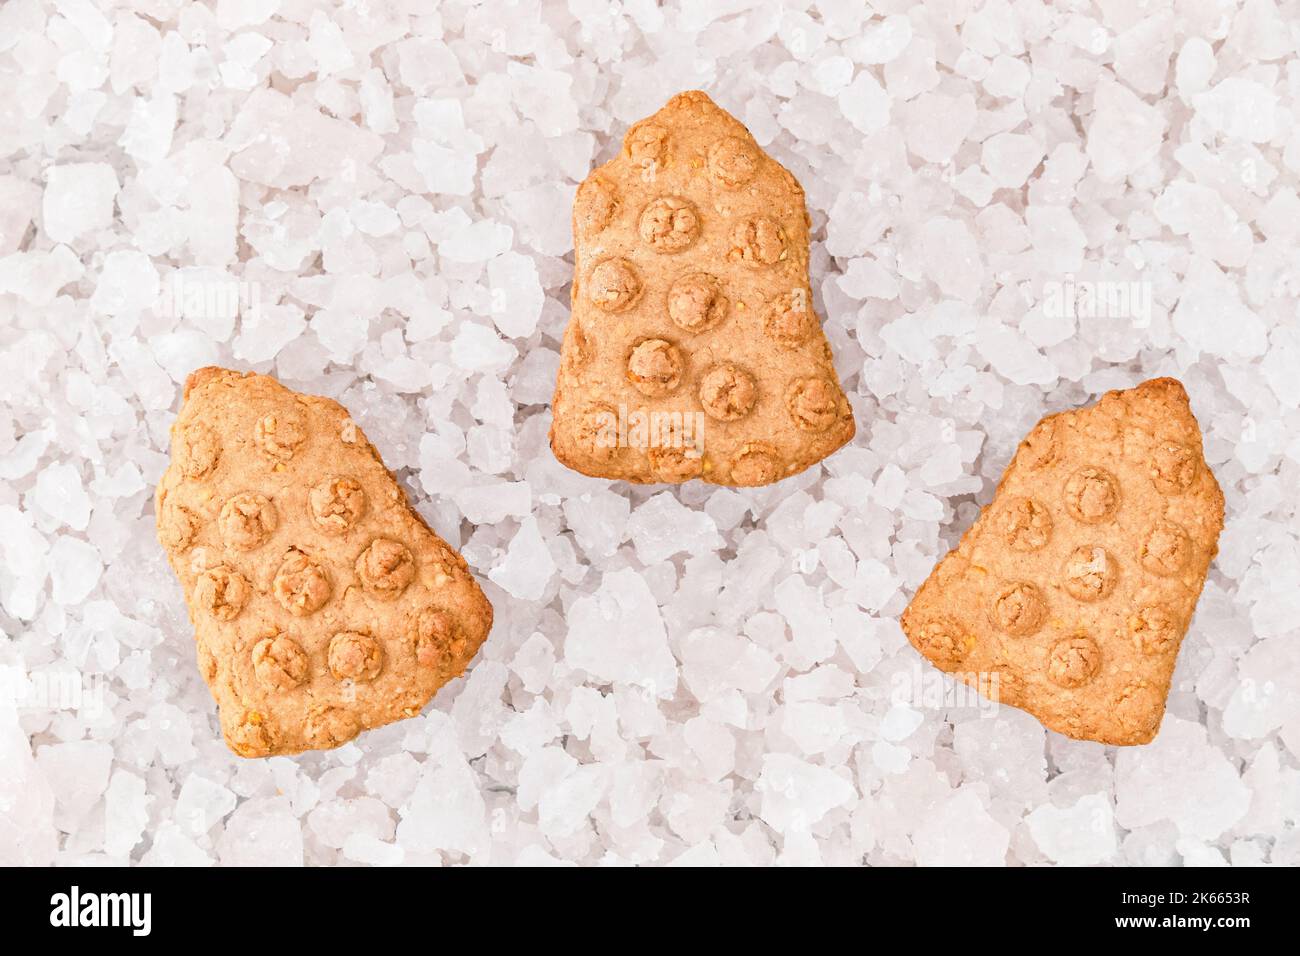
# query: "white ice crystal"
663 527
445 811
528 565
1082 834
126 813
60 494
127 283
27 831
262 832
960 832
201 804
78 200
797 794
376 205
1125 132
75 567
618 634
1181 778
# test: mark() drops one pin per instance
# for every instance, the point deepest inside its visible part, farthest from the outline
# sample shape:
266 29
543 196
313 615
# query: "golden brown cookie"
322 603
693 350
1072 591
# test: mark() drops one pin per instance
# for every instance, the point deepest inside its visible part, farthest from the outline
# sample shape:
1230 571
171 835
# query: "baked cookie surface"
693 350
1070 595
322 603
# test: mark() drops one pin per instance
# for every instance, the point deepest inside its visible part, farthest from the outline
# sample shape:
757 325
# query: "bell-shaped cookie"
693 350
322 603
1071 593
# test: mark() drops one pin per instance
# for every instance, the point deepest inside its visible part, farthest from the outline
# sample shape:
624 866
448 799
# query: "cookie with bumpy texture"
1071 593
693 350
322 603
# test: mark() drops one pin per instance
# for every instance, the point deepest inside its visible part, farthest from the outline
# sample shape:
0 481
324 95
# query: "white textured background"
395 184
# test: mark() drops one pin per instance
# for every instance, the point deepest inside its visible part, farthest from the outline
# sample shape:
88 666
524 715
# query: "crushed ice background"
677 675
